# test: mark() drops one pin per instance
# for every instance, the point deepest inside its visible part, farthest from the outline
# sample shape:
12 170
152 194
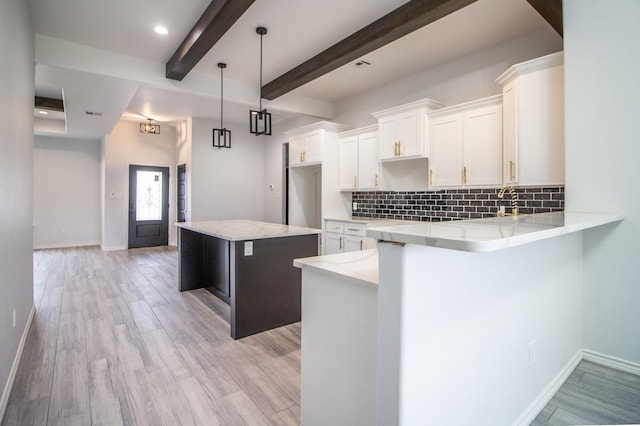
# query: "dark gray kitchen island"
249 265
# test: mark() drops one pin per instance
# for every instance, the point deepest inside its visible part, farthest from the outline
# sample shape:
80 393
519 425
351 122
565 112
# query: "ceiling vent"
362 64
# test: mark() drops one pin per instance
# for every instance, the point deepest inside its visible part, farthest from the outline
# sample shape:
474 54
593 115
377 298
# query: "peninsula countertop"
358 267
491 234
241 229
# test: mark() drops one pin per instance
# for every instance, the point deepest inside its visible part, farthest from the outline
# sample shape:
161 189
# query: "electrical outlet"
248 248
355 206
14 317
532 353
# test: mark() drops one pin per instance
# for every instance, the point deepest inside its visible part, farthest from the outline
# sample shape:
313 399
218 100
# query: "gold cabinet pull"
355 181
430 177
340 243
376 180
464 175
512 166
361 244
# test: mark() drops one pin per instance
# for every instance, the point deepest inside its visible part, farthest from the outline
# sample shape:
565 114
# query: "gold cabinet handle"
464 175
430 177
376 180
361 244
512 166
340 243
355 181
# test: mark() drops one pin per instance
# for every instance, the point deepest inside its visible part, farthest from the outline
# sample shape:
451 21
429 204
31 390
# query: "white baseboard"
611 361
583 354
545 396
65 245
16 363
113 248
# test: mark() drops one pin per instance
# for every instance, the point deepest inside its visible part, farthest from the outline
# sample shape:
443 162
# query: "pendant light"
260 121
221 136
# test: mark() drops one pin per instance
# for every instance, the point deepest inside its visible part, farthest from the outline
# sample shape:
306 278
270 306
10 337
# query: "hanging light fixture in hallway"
260 121
221 136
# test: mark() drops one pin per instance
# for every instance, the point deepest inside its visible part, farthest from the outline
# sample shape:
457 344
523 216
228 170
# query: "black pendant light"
260 121
221 136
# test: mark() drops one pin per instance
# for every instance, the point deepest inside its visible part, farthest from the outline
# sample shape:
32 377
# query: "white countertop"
491 234
241 229
357 267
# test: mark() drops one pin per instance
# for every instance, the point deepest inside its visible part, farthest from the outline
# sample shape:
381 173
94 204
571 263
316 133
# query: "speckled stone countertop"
491 234
240 229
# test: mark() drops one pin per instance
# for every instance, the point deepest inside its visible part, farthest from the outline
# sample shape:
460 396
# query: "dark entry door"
148 206
182 193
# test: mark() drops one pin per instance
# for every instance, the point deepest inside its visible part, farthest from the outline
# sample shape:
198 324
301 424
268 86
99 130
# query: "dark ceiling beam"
551 11
216 20
407 18
49 103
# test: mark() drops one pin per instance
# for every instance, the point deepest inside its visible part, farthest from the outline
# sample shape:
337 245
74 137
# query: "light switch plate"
248 248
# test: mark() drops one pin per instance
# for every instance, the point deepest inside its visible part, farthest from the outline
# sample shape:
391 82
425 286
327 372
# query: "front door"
148 206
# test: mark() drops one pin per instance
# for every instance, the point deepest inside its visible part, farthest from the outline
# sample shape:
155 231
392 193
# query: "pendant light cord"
260 90
221 96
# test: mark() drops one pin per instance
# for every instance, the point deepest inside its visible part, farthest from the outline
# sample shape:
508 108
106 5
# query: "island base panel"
266 287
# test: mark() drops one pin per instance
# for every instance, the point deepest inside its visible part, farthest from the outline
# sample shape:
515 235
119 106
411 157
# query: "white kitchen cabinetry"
533 122
402 130
345 236
359 159
466 144
314 186
305 149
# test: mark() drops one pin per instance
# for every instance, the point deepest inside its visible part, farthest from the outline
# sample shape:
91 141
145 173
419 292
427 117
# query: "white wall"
464 79
17 75
602 41
226 183
66 192
125 146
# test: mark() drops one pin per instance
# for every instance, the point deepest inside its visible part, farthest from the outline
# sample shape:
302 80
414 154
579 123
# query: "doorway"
148 206
181 191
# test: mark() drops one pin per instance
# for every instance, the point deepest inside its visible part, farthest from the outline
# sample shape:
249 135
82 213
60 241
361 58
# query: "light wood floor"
594 395
113 342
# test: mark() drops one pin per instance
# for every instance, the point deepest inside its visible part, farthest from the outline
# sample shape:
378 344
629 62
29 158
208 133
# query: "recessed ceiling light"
159 29
43 112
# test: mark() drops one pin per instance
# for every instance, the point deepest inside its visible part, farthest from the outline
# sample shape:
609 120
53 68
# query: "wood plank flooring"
114 343
594 395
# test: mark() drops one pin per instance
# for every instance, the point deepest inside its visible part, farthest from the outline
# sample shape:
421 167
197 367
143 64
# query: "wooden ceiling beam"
407 18
216 20
49 103
551 11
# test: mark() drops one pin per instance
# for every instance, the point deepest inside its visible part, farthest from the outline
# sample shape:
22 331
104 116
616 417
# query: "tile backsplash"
454 204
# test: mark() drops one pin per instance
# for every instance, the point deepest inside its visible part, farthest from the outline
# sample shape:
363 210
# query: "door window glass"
149 195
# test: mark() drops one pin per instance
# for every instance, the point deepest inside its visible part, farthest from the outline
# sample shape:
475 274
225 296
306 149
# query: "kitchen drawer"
356 229
337 227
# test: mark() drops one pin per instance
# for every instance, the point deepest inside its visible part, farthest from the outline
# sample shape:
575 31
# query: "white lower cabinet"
345 236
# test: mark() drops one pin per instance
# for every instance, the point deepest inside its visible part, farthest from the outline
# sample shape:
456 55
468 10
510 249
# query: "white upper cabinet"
359 165
402 130
305 149
533 122
466 144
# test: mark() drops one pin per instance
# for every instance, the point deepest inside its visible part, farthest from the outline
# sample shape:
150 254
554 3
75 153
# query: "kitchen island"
249 265
478 321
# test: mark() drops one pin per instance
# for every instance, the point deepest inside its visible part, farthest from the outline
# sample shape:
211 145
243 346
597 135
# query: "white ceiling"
104 56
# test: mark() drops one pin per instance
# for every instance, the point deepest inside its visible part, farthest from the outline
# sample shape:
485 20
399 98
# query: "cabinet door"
446 151
352 243
313 147
387 143
296 149
349 163
509 133
334 243
410 133
482 146
368 163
